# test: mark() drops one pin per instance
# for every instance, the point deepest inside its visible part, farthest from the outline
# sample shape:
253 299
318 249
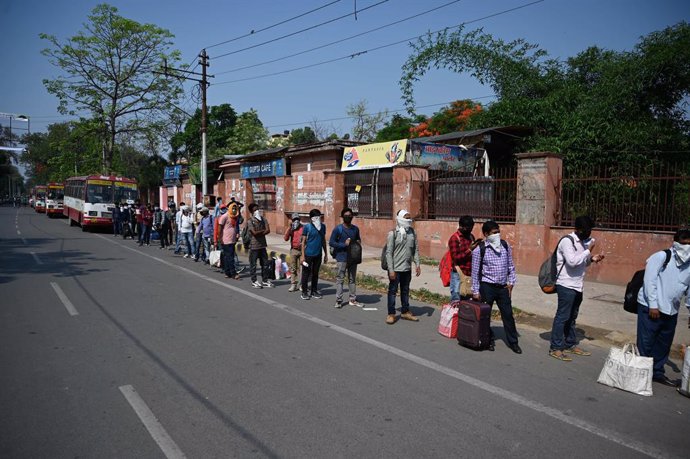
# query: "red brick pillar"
334 197
408 190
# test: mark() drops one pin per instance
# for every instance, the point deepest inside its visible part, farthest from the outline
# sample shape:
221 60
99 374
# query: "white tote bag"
625 369
685 381
214 258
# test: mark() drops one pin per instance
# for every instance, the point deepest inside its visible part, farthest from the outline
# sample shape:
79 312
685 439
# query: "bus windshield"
56 194
97 194
124 194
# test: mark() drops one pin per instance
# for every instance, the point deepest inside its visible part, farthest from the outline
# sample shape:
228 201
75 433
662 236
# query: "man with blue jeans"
313 242
659 301
573 257
402 250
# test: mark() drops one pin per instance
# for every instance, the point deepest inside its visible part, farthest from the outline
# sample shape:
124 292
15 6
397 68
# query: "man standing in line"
116 220
258 229
573 257
666 281
227 228
401 251
186 230
461 244
342 236
493 278
205 235
139 218
313 242
294 234
178 225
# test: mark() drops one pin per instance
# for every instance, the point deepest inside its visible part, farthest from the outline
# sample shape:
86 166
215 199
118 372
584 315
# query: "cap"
295 216
204 209
199 206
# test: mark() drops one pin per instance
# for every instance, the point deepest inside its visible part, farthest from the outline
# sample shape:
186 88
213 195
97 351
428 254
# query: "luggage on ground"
448 325
474 324
625 369
685 381
214 258
271 268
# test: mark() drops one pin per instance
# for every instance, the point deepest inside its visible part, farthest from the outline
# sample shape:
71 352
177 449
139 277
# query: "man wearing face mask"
401 251
313 242
294 234
665 283
573 257
461 244
258 229
342 236
493 278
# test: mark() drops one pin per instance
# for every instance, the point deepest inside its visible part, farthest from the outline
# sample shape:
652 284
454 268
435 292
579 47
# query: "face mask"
316 221
682 253
583 235
347 219
257 215
296 224
495 241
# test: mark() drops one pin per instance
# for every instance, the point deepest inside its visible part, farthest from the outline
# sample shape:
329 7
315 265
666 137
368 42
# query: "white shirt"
576 258
178 216
186 222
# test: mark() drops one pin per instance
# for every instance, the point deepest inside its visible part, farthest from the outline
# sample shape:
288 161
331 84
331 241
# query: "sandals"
560 356
577 351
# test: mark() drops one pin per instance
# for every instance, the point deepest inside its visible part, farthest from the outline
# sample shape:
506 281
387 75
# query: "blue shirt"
662 289
314 240
338 237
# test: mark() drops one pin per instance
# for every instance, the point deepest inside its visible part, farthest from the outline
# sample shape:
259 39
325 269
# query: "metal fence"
452 194
647 198
369 193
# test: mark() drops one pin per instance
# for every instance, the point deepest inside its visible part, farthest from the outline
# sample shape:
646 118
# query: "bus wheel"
72 222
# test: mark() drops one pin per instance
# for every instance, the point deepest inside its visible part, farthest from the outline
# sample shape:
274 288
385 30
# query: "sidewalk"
601 314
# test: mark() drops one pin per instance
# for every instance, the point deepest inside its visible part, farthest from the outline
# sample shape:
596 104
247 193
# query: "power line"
301 31
376 29
254 32
359 53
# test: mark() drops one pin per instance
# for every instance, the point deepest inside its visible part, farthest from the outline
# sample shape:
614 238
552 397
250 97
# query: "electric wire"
376 29
359 53
299 31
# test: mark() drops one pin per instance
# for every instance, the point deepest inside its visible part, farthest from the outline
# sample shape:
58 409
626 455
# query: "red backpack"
445 267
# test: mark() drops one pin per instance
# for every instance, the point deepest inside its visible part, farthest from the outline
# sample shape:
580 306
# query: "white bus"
90 200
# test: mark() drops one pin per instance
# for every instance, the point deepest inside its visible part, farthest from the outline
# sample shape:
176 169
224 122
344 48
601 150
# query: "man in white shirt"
178 234
666 281
573 255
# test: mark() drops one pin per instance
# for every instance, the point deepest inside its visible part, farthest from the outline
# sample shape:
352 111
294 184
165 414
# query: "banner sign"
171 175
444 157
374 155
273 168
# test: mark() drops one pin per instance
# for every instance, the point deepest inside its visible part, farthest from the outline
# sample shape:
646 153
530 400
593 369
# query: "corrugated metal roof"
515 131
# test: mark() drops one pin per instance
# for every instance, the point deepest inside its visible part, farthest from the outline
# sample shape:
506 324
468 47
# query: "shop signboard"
273 168
444 157
171 175
374 155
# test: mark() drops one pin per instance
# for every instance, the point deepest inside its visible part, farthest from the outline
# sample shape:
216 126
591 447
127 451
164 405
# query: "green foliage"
600 106
248 135
220 123
108 71
302 135
398 127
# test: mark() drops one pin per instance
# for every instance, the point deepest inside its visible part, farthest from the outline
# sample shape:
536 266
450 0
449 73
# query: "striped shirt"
498 267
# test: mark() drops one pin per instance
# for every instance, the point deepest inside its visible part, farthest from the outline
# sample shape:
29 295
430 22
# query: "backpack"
384 262
547 272
482 251
635 284
445 267
246 236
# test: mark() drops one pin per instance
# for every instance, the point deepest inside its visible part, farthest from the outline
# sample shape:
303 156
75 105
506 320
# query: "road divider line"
568 419
65 301
155 428
38 260
19 232
370 309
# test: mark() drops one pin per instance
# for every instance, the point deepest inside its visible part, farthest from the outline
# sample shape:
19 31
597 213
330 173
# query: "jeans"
178 240
229 259
295 263
311 273
146 236
262 256
563 335
351 273
403 279
188 240
655 337
500 294
454 285
198 241
163 234
116 227
140 230
206 241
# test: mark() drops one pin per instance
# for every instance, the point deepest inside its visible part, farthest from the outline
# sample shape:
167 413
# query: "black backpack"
547 273
635 284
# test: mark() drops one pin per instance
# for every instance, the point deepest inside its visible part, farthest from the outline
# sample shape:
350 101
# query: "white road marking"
38 260
19 232
65 301
370 309
606 434
158 433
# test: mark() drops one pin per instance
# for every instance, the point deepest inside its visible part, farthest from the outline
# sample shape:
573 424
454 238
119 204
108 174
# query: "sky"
321 93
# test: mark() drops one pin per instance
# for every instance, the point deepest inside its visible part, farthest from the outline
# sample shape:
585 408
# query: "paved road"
111 350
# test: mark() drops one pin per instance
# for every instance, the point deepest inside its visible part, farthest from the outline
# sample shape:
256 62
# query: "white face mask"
316 221
495 241
682 253
257 215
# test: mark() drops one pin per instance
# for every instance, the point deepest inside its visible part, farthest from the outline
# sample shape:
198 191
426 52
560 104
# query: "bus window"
96 194
125 194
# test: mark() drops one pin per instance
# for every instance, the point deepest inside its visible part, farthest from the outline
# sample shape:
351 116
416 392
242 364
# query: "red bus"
40 198
55 199
90 200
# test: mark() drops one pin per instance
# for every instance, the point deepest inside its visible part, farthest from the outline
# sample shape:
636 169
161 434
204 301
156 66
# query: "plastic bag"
625 369
448 325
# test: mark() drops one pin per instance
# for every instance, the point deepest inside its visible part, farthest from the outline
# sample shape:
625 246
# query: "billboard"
444 157
374 155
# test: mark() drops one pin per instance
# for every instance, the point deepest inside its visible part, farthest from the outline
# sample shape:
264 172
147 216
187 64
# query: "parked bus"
55 199
90 200
40 198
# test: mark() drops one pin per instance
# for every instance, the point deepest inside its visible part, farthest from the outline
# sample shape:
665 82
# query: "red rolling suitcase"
474 324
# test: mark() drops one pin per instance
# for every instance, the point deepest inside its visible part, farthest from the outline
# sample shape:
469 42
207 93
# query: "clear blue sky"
292 100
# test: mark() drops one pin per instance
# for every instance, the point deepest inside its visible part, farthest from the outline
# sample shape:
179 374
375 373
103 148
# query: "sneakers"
355 303
408 316
390 319
338 304
316 295
186 255
293 288
268 284
305 297
577 351
257 284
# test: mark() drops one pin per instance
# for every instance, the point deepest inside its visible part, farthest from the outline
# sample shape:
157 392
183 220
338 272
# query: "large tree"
219 125
592 107
109 72
248 135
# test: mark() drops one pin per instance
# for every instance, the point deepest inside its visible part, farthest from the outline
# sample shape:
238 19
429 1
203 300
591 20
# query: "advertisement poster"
374 155
444 157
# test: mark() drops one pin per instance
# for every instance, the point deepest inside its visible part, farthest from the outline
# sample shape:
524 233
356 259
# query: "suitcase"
271 269
474 324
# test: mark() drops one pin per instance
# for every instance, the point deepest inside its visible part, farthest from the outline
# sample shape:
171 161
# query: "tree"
219 125
108 72
599 107
365 125
302 136
454 118
248 135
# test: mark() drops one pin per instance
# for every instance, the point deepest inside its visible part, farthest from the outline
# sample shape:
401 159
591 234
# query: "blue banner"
444 157
172 172
273 168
